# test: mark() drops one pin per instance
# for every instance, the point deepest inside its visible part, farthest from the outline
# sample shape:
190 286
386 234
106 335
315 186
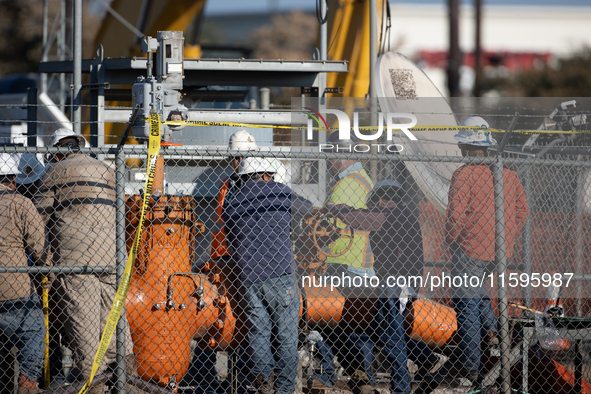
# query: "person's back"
259 220
78 197
77 202
471 210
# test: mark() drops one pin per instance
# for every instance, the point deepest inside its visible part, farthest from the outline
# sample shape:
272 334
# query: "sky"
216 7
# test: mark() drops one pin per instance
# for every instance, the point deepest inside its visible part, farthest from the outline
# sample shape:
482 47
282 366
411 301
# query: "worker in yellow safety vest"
351 187
240 140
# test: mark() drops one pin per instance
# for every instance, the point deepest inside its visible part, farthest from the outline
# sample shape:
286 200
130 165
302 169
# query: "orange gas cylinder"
430 322
324 307
167 304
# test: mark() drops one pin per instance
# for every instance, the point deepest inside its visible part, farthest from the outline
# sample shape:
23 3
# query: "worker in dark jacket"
397 245
258 222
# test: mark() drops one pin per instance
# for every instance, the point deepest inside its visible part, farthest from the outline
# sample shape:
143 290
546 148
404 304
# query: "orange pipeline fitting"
167 304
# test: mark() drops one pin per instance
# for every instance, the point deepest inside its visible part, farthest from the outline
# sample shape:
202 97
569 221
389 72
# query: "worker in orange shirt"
470 234
240 140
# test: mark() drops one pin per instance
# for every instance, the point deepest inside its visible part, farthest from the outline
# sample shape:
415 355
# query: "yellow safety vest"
352 190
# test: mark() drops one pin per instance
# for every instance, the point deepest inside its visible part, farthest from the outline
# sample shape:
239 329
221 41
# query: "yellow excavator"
348 39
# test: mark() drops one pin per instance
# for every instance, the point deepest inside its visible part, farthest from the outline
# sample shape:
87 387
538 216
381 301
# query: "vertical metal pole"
373 57
119 375
454 55
31 117
579 255
233 370
264 98
501 257
323 47
373 45
578 367
45 49
77 58
477 48
527 238
61 48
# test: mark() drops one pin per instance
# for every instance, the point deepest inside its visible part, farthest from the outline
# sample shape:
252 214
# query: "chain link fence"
310 269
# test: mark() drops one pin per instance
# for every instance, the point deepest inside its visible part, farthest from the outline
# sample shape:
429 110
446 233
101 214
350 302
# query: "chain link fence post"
501 258
119 373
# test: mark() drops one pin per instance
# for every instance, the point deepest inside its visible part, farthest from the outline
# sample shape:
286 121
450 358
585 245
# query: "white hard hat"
242 140
62 133
8 164
475 137
251 165
282 175
31 168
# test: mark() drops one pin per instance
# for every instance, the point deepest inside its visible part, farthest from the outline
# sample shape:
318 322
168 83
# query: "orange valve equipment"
166 304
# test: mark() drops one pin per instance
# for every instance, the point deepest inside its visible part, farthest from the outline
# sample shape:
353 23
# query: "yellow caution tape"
45 301
365 128
119 301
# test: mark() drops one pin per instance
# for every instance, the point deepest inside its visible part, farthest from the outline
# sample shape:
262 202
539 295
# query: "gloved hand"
329 207
43 281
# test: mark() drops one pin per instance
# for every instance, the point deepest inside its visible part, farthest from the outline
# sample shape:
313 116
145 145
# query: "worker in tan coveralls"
21 318
77 202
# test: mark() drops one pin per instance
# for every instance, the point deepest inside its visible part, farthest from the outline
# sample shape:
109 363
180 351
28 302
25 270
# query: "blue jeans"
391 332
21 321
272 312
474 310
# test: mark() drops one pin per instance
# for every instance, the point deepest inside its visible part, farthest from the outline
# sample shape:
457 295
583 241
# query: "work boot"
261 385
313 383
27 386
423 371
492 340
362 387
341 385
97 389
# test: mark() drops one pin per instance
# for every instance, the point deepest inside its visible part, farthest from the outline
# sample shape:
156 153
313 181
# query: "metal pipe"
557 151
454 54
373 57
501 258
373 46
298 153
477 48
121 251
265 93
61 50
527 239
45 49
31 117
579 231
256 117
58 270
323 47
506 136
77 58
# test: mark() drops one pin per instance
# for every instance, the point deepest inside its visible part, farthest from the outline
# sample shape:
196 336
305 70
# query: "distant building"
513 37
